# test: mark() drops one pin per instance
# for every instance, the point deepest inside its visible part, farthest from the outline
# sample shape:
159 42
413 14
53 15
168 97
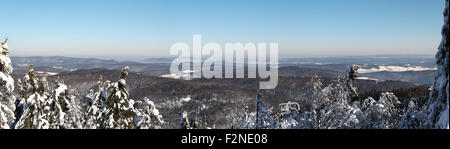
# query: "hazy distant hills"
370 59
307 71
63 64
159 60
418 69
427 60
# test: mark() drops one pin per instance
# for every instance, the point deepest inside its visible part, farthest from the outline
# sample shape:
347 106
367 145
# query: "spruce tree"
438 116
149 117
95 111
264 120
120 111
185 124
349 84
7 98
413 117
66 113
35 101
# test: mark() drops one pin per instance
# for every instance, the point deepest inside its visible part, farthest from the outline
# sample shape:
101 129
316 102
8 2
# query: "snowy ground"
394 69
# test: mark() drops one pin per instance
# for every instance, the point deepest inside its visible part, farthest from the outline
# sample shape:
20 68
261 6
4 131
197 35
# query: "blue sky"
303 28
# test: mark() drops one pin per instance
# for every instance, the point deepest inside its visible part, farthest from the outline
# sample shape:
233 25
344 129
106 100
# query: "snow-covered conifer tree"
349 85
413 117
20 101
381 114
185 123
94 113
36 103
120 111
438 116
149 117
7 98
248 120
66 113
263 115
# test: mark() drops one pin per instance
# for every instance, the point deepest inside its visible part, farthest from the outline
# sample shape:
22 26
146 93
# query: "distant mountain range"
416 69
59 64
425 60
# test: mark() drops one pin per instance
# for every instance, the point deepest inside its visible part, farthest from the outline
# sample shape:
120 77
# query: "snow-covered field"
395 69
184 75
